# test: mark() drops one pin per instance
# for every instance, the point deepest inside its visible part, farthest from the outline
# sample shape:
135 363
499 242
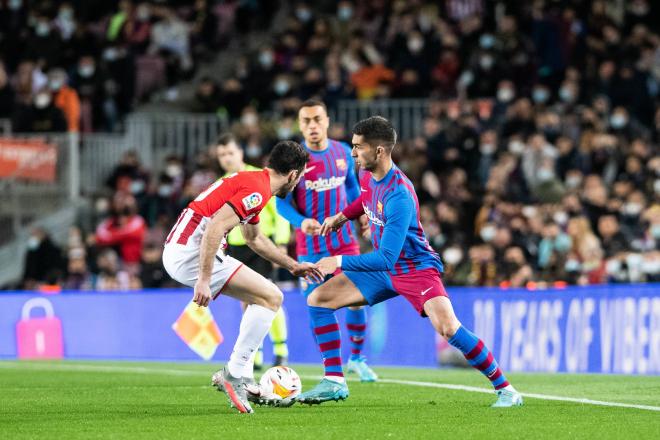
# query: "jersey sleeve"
248 200
352 181
289 212
398 212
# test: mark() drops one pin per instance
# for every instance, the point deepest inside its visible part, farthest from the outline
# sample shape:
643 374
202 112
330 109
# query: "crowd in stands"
538 163
80 65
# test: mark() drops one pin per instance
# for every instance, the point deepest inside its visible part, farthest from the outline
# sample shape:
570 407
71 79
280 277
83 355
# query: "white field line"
175 372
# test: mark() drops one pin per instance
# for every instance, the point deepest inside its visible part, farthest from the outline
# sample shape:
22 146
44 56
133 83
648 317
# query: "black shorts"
252 260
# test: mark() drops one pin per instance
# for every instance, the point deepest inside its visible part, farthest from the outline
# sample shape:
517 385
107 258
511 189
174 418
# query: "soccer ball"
281 381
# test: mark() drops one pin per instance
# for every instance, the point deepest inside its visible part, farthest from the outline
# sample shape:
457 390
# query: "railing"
406 115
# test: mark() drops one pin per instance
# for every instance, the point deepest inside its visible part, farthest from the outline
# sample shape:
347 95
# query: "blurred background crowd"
538 163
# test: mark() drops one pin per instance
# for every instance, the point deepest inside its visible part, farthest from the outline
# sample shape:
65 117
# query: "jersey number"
204 194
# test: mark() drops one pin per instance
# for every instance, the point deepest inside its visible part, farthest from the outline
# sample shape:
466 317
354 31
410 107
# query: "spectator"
43 259
66 98
7 95
42 116
125 229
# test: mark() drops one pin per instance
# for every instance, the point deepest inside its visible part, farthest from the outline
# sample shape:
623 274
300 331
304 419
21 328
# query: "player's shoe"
360 367
325 391
234 388
507 399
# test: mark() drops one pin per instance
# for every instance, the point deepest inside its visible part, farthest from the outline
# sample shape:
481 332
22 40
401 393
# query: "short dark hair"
313 103
376 130
226 138
288 156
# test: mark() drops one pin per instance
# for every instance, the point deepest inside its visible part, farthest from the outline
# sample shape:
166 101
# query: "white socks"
254 327
338 379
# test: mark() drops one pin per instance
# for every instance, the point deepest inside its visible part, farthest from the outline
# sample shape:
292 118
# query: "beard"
285 190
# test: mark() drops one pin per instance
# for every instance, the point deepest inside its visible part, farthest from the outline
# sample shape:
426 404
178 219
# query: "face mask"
253 151
173 170
249 119
15 5
452 256
281 87
572 266
42 100
540 96
33 243
505 95
560 217
266 59
137 186
415 45
487 233
516 147
632 209
304 15
529 211
545 175
56 84
486 62
110 54
86 70
345 13
566 94
651 266
283 133
165 191
486 41
42 29
102 206
618 121
656 186
143 14
487 149
573 182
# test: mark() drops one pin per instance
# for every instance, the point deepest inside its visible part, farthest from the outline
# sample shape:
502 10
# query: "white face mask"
618 121
173 170
42 100
573 182
560 217
415 45
632 209
86 70
487 149
545 175
487 233
516 147
452 255
33 243
42 29
249 119
505 94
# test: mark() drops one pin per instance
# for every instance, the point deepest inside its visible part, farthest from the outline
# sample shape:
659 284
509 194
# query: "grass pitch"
127 400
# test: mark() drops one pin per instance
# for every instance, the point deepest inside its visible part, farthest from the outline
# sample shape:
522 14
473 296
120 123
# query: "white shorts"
182 264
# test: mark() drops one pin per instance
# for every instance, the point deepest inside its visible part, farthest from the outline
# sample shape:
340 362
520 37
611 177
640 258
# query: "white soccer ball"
281 381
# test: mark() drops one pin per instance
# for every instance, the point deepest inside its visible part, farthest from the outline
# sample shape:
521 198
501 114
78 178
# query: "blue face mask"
655 231
540 96
563 242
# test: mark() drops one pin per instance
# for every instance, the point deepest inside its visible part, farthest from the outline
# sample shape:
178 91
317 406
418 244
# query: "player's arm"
264 246
351 212
352 183
220 224
398 211
287 210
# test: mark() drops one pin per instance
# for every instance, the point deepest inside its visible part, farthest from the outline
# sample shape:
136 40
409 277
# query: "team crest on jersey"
379 208
341 164
252 201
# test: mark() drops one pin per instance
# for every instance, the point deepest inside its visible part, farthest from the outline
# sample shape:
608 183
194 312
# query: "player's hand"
333 223
310 226
328 265
365 230
309 271
202 294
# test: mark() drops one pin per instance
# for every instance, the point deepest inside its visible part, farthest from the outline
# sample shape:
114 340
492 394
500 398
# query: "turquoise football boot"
507 399
325 391
360 367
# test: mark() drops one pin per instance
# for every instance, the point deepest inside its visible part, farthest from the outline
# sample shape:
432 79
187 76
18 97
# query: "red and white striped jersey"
246 192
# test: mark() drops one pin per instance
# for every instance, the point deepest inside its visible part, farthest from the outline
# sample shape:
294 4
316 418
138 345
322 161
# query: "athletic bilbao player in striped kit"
194 256
402 263
329 185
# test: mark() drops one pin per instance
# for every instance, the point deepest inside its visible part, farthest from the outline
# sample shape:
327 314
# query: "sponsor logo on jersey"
372 217
341 164
322 184
379 207
252 201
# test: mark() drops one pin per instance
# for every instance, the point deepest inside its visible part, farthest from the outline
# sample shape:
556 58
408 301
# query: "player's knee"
315 299
275 298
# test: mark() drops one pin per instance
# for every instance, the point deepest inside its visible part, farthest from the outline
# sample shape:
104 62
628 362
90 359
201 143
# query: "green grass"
126 400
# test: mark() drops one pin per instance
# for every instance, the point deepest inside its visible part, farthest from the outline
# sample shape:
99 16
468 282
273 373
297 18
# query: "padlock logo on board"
39 338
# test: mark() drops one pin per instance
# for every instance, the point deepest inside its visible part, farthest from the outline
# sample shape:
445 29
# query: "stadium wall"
595 329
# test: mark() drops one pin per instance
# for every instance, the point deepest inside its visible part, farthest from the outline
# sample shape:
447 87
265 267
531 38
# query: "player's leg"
278 336
356 323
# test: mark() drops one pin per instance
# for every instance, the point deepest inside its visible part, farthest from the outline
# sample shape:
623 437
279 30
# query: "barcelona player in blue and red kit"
329 184
402 263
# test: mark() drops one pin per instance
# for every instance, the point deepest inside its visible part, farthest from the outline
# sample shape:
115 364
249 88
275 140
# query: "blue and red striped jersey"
400 244
328 186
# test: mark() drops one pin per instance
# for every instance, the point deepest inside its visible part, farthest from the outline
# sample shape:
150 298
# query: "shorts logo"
425 291
341 164
252 201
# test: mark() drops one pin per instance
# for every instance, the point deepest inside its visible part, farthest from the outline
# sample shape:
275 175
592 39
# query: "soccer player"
273 226
402 263
330 183
192 255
